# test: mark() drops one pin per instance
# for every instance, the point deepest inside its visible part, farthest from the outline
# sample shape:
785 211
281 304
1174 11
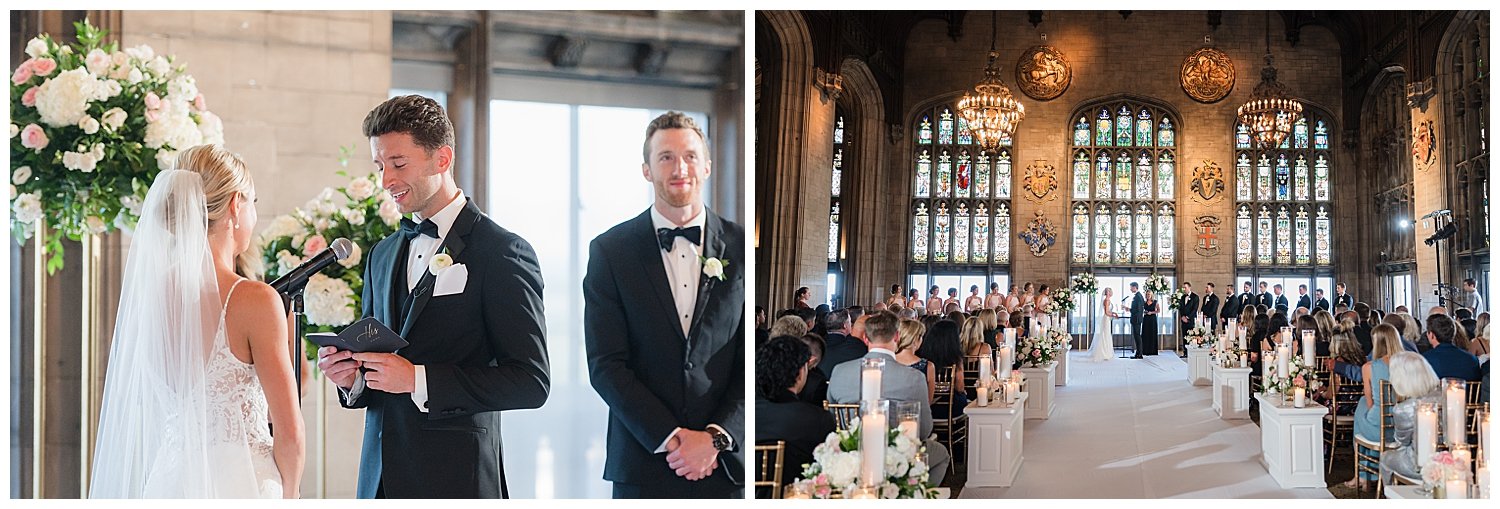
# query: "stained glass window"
1281 201
838 168
835 218
833 232
960 196
1325 242
1165 222
1123 170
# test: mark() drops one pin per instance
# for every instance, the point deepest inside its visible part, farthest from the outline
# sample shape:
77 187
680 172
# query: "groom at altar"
663 319
467 296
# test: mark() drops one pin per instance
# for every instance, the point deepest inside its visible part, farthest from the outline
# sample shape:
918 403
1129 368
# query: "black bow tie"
665 236
411 228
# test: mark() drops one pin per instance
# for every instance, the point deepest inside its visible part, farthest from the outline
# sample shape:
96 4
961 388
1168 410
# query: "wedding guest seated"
1447 359
840 347
789 325
818 324
990 326
781 369
941 347
1367 413
897 383
1480 346
1414 381
816 388
971 337
1407 328
762 329
809 317
1348 359
907 345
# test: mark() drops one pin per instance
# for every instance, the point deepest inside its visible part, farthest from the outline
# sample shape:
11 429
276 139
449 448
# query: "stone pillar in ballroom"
1430 193
863 193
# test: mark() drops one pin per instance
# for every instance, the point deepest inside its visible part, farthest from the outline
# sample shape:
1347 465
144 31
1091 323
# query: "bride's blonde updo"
224 175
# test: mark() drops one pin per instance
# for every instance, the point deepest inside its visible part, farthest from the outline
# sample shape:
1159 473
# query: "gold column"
39 364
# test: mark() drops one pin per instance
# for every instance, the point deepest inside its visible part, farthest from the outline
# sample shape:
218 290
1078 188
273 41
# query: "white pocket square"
451 281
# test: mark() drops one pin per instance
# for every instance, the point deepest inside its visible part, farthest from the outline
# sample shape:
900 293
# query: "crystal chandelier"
991 111
1271 111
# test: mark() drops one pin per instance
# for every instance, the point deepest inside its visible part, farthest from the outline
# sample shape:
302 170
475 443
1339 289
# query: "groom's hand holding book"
366 346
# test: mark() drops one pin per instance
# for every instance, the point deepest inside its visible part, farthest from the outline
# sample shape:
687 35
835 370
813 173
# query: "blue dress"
1367 416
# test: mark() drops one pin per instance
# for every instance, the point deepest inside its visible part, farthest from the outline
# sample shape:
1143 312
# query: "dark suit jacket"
1322 303
840 349
1189 307
654 378
1211 307
1281 302
1266 299
1450 362
1304 301
1137 309
815 390
801 425
1248 299
484 351
1345 299
1231 307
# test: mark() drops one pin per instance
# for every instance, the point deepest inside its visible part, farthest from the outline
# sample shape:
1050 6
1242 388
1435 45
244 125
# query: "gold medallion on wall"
1039 181
1207 75
1208 236
1207 183
1423 145
1043 73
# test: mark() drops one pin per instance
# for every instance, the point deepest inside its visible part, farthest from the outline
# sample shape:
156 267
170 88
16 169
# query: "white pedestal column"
1041 387
1291 442
995 442
1062 366
1232 393
1199 361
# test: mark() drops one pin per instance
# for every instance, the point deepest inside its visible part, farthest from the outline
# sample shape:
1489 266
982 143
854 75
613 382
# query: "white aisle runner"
1137 429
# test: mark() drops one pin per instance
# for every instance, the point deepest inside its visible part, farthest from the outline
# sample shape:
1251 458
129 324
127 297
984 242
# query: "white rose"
89 125
361 188
354 256
21 175
95 224
329 301
63 100
182 89
282 226
286 261
322 224
355 217
165 159
97 151
439 262
112 88
141 52
115 117
131 203
390 213
119 59
327 194
97 62
14 130
159 66
134 76
713 268
173 128
27 207
36 48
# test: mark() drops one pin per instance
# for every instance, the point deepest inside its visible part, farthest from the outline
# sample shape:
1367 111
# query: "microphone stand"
296 339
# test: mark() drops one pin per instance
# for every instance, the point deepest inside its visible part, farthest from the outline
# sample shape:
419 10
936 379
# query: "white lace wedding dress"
240 445
1102 348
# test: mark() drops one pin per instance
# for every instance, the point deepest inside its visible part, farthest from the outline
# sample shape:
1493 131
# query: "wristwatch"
722 442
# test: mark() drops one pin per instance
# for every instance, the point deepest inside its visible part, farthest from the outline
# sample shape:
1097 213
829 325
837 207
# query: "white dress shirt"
683 273
419 253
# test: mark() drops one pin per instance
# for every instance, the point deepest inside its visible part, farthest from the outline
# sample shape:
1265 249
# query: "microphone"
292 282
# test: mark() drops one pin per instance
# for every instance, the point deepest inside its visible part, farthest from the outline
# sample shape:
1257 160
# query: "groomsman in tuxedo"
1322 302
1303 299
1210 306
1265 297
1137 317
1231 307
664 302
1342 298
476 328
1247 297
1187 311
1280 299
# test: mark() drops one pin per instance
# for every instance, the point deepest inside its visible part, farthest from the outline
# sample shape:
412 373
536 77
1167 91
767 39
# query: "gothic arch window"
840 144
1466 89
1283 199
1386 128
960 199
1124 166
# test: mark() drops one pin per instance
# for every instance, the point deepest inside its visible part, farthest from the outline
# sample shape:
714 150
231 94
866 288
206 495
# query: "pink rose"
314 245
23 73
199 103
33 137
152 101
152 115
43 66
28 99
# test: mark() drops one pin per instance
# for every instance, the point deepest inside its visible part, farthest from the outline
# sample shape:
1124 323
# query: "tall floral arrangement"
1085 283
1176 299
362 212
1157 284
1062 300
91 126
836 466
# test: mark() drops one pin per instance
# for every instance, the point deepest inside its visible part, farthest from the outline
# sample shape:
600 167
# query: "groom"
1137 317
664 328
475 327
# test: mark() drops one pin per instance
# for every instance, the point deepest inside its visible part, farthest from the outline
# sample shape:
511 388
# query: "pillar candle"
1456 489
1241 336
1309 348
1484 438
1012 391
1299 397
869 384
1483 474
1010 337
1266 362
1453 411
1244 360
872 427
1427 428
1283 359
864 493
984 395
984 369
1007 360
1286 336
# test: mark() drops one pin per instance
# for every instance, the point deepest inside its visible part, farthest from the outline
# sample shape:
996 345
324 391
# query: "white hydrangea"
79 161
390 213
322 224
131 203
355 217
212 128
159 66
181 89
282 226
62 101
114 118
112 88
354 256
36 48
330 301
21 175
141 52
173 128
361 188
286 261
27 208
165 159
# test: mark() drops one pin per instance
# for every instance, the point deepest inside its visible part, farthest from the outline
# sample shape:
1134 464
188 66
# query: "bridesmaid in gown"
1012 299
1149 343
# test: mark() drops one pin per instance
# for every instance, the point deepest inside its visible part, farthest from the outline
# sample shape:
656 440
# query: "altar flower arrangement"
1037 351
362 212
1443 467
1062 300
1157 284
1175 300
836 466
1085 283
1200 336
91 126
1297 374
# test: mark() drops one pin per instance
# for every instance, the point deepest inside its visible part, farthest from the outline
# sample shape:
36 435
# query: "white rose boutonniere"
713 268
439 262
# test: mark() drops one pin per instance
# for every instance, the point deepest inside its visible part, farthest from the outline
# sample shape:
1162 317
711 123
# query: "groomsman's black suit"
1346 300
1211 309
1231 308
1323 304
1137 318
1281 303
1266 300
1186 313
1304 301
654 378
484 350
1248 299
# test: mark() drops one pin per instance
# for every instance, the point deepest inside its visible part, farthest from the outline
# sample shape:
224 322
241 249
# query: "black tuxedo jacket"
654 378
1304 301
1231 307
1281 301
1211 307
484 351
1248 299
839 349
1323 304
1137 309
1345 299
1266 300
800 424
1189 308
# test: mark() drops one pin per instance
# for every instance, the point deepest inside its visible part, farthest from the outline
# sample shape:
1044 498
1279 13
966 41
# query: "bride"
196 375
1103 345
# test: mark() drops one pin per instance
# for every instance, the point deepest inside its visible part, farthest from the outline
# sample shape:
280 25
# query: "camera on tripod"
1444 232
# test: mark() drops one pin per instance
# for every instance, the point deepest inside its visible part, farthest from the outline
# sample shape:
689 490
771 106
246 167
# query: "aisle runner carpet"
1136 429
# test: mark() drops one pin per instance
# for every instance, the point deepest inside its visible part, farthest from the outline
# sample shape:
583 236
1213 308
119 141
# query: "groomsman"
663 318
1342 297
1322 302
1231 305
1187 311
1210 306
1280 299
1303 300
1265 297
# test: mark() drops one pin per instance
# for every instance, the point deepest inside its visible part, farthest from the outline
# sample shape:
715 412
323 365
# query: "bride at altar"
1102 348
